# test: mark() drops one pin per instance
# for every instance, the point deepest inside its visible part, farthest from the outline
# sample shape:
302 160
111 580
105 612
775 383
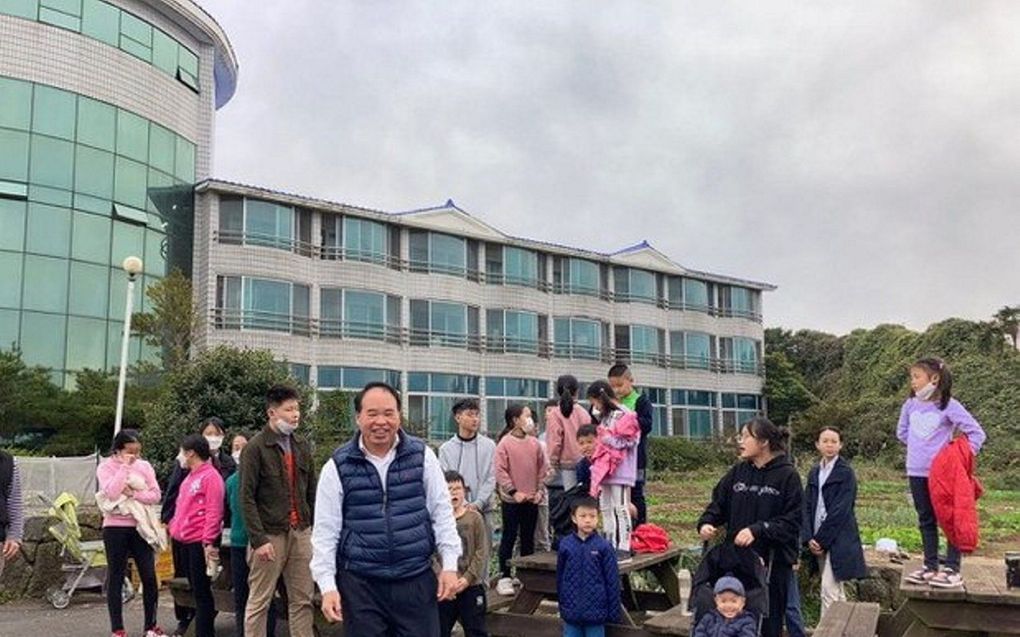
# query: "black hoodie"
765 500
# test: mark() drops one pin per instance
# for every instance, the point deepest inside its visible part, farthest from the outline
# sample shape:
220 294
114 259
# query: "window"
444 324
740 354
45 285
187 68
693 413
696 295
262 304
184 168
21 8
16 106
101 21
577 338
645 343
61 13
135 37
52 162
86 343
89 289
129 185
691 350
161 149
431 397
12 220
93 172
355 378
443 253
14 159
268 224
576 276
54 112
738 409
660 410
520 267
132 136
630 284
501 392
675 292
10 283
48 230
364 240
42 339
359 314
738 301
512 331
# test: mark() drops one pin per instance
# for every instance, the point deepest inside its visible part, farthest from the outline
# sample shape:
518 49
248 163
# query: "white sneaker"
505 587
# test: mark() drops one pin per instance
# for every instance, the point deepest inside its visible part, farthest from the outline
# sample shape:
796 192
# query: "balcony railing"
432 338
236 319
492 278
514 345
428 267
234 237
582 352
340 253
335 328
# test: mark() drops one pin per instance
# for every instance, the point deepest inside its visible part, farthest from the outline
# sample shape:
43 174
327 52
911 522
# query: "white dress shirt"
329 514
824 471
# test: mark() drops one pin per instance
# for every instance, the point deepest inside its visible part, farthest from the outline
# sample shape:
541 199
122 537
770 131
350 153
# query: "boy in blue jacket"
729 619
587 575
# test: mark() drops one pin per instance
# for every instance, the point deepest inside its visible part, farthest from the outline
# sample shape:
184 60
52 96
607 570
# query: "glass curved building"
106 120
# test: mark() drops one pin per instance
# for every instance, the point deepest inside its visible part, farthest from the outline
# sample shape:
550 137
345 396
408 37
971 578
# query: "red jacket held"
954 494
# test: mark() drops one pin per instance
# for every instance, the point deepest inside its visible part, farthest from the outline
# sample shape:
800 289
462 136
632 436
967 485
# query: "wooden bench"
849 619
674 621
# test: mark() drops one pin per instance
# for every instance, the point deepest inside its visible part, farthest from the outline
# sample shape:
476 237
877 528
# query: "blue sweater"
588 581
715 625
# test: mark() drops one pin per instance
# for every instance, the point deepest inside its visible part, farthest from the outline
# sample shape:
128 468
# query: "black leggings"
201 589
122 542
518 518
779 584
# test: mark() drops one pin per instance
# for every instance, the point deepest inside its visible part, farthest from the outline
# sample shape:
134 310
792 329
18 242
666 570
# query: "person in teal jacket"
239 557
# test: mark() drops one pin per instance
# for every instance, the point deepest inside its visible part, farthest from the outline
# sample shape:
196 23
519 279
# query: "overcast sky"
865 159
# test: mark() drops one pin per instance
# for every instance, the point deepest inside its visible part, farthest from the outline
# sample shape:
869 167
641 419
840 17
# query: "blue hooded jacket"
588 581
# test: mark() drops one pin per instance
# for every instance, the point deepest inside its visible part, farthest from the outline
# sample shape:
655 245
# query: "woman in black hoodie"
759 503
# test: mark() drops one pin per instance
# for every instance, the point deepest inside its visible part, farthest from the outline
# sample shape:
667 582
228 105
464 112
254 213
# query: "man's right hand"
265 553
521 497
331 606
707 531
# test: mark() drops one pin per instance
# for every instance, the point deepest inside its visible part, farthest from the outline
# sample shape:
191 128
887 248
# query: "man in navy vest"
382 510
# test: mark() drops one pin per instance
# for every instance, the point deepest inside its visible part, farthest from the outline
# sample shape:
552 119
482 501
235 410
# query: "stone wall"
37 566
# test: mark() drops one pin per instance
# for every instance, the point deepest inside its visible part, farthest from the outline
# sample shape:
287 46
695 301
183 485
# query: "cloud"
863 159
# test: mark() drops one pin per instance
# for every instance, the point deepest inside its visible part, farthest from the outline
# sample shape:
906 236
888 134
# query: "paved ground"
86 617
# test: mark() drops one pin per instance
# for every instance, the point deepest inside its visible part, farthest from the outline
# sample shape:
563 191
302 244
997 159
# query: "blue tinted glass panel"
695 294
12 224
86 343
10 282
27 9
93 172
161 148
97 124
417 381
699 349
42 339
185 163
642 285
89 289
699 423
448 318
45 284
584 276
644 339
132 136
9 326
52 162
129 183
54 112
447 252
328 376
15 104
164 52
14 158
520 266
101 21
90 239
48 230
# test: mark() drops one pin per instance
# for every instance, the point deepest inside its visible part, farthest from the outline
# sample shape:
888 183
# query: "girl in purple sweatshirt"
928 421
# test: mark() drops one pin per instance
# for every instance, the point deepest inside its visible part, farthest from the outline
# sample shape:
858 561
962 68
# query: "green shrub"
674 454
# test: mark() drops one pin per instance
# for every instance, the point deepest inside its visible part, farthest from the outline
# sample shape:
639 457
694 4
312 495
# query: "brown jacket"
474 545
265 487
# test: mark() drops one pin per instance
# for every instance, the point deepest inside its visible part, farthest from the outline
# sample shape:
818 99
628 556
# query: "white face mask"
236 456
285 428
595 413
215 442
925 392
182 460
528 426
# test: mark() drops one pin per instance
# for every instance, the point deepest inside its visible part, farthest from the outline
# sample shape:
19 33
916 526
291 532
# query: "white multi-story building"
444 305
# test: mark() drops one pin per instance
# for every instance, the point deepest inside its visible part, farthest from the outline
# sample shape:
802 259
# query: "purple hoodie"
926 429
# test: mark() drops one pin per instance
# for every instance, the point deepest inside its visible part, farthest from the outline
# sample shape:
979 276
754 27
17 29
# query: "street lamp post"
132 266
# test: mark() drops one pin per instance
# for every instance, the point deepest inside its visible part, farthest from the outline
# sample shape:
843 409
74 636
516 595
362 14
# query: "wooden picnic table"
537 574
982 607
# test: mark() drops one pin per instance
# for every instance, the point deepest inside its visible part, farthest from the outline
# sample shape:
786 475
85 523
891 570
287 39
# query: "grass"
884 509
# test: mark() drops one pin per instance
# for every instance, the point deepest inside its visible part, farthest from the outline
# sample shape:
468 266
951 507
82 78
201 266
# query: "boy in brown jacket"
469 605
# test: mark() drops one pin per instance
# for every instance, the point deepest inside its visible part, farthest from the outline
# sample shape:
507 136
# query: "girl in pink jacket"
196 525
125 474
614 463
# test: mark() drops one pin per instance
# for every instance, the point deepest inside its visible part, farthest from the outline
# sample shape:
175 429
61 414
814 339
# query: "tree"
331 424
171 321
225 382
27 396
785 391
1007 320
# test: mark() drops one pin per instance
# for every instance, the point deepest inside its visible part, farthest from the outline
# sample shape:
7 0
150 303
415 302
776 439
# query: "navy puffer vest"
386 534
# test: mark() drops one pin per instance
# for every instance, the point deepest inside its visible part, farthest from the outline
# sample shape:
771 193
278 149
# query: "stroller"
740 562
85 565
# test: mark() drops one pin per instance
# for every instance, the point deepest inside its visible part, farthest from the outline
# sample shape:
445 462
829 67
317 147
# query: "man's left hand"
447 586
11 549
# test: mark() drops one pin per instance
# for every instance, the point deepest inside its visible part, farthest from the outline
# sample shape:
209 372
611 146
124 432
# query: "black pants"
389 608
201 589
468 608
183 614
121 543
518 519
929 527
637 498
239 579
779 583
